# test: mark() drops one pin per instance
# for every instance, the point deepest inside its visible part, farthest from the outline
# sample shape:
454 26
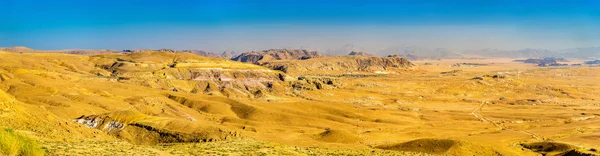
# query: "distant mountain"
410 52
354 53
18 49
420 53
229 54
23 49
344 50
583 53
204 53
226 55
593 62
520 53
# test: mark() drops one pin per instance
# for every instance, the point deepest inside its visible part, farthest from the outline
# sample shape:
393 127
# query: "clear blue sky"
243 25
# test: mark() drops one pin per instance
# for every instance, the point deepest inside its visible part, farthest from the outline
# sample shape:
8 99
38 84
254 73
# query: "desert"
169 103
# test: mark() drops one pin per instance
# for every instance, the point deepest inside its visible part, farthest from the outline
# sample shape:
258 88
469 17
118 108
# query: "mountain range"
410 52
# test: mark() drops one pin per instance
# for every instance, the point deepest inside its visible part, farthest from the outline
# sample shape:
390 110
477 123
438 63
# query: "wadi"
293 102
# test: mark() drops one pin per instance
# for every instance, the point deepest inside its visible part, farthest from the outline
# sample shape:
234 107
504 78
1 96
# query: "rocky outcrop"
141 131
316 83
341 64
105 124
265 56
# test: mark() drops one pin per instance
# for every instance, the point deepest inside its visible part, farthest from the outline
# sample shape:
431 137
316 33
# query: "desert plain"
164 103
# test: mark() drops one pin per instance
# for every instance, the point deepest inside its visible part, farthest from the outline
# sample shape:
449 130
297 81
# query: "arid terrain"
165 103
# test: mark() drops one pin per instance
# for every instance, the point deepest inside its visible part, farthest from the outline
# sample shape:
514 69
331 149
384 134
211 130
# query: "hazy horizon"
241 26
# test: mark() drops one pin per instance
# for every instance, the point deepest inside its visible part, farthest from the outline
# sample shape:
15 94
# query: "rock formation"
265 56
102 123
141 131
316 83
340 65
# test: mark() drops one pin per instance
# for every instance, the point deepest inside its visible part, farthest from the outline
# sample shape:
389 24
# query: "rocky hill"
581 53
341 65
261 57
185 72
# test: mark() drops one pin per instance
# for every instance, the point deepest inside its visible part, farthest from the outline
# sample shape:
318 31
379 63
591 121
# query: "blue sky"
243 25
